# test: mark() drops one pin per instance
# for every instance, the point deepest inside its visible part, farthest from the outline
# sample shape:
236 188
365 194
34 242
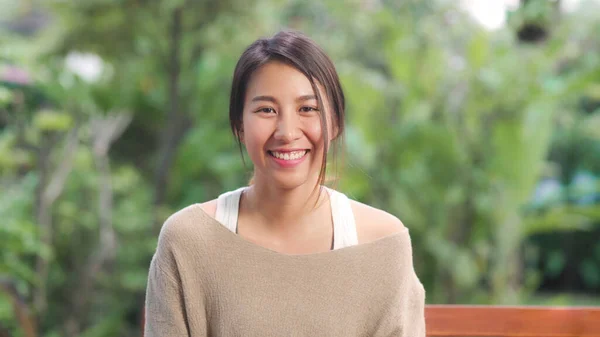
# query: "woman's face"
282 127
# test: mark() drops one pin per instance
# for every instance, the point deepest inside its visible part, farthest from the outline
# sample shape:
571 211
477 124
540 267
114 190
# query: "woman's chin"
288 184
290 181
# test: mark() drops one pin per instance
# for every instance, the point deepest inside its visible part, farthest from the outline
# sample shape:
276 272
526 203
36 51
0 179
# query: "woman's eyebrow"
272 99
306 98
264 98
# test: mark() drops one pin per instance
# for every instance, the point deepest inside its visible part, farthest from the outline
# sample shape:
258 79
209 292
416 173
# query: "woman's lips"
288 159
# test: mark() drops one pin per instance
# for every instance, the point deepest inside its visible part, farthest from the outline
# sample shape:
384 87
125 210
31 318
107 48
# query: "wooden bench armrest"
460 320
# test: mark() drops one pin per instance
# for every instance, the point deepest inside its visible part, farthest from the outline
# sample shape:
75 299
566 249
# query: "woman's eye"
265 110
308 109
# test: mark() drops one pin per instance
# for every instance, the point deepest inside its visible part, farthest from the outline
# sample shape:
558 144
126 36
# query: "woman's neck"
283 210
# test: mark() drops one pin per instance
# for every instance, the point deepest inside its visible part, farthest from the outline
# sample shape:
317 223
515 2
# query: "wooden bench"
498 321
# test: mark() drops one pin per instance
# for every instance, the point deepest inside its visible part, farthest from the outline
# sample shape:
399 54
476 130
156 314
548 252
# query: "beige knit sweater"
205 280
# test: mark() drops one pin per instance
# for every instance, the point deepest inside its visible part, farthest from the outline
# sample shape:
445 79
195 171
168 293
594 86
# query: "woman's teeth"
288 155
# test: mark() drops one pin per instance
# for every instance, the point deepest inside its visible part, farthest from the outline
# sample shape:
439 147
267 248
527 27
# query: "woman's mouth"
288 159
288 156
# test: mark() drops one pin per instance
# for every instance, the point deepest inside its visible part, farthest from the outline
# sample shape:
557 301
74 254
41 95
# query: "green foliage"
19 240
52 121
18 233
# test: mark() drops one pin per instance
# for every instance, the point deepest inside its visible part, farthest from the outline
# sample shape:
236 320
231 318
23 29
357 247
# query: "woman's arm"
171 308
165 312
414 320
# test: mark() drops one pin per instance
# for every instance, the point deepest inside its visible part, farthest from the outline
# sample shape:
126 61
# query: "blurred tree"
163 40
568 260
535 19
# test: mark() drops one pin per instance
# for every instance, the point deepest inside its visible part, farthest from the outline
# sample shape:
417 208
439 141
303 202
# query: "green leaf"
48 120
478 50
590 272
6 96
562 218
555 263
168 6
465 271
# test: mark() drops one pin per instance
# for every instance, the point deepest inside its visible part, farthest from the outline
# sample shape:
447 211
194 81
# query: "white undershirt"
344 225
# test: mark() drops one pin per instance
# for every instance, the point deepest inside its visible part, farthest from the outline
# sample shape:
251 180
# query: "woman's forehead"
278 79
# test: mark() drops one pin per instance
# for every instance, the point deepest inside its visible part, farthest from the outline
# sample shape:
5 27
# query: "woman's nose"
287 128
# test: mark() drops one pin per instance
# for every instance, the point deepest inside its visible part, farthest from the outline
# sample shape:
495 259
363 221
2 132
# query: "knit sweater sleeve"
165 313
414 319
412 304
170 306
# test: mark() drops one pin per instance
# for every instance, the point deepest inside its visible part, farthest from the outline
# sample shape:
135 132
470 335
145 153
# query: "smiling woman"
285 255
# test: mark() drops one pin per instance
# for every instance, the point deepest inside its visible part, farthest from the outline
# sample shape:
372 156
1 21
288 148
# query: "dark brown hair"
302 53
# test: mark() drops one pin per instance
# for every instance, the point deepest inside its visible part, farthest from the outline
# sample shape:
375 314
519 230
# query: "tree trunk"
104 133
177 121
50 187
24 317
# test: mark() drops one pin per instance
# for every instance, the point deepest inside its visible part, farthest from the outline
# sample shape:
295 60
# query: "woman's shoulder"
193 221
186 224
373 223
209 207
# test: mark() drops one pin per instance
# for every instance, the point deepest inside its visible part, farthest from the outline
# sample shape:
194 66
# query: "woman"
285 256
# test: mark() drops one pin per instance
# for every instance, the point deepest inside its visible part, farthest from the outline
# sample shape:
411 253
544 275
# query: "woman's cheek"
315 130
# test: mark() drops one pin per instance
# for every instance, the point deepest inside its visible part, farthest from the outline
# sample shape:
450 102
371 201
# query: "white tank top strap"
228 207
344 225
